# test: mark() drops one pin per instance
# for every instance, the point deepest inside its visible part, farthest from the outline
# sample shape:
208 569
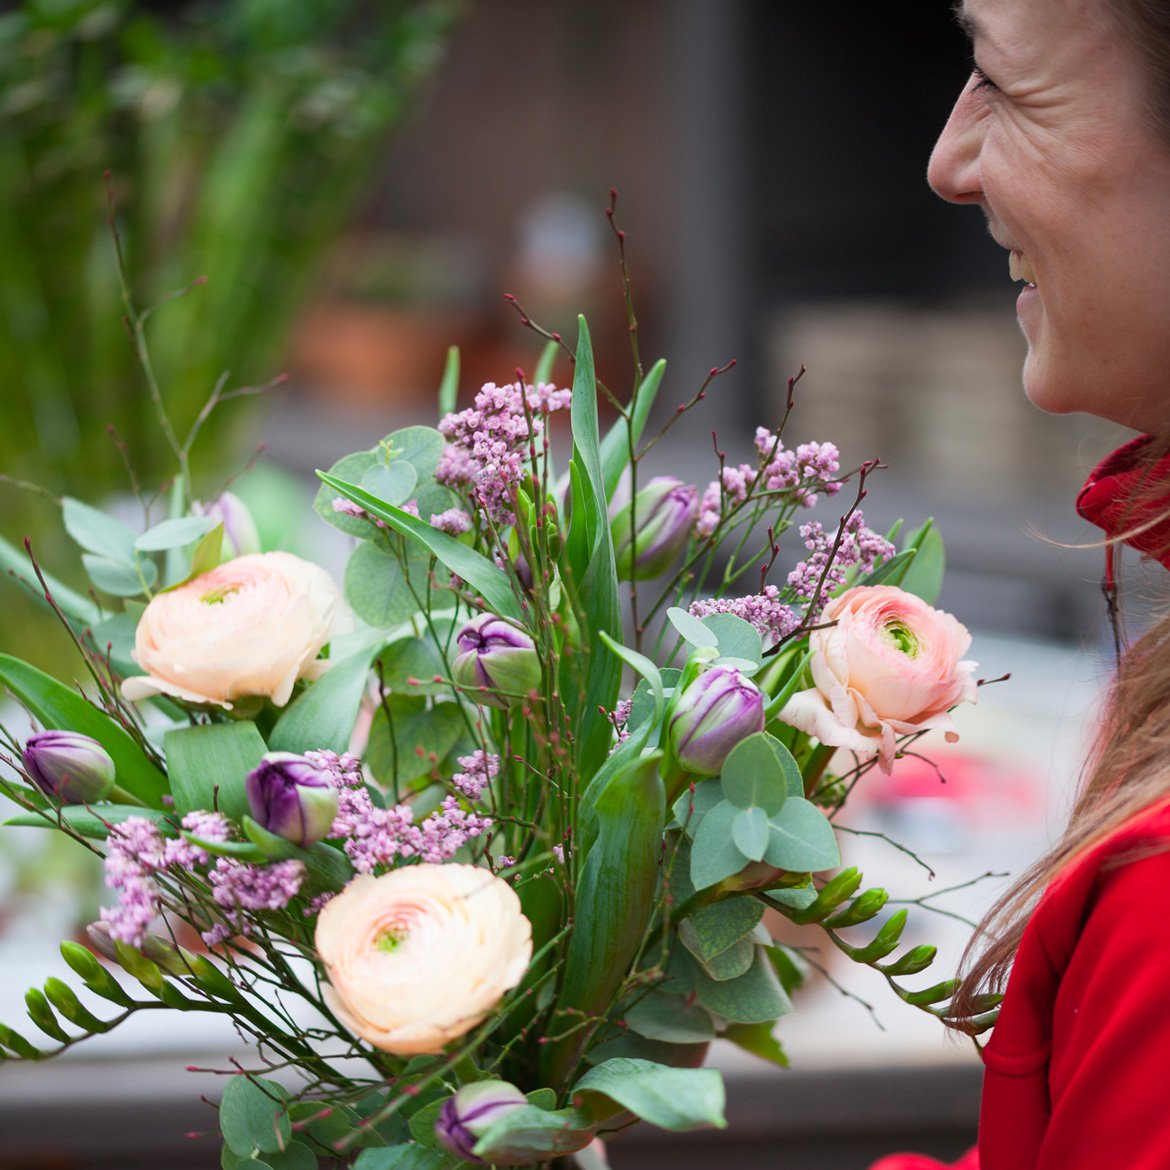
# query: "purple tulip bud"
496 655
291 798
68 766
713 714
240 537
474 1109
664 511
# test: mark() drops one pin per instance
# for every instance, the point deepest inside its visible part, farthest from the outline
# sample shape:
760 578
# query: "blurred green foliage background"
239 137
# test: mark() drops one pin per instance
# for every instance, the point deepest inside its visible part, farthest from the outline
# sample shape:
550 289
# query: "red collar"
1116 497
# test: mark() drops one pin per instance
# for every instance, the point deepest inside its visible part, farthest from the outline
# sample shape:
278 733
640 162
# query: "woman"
1062 138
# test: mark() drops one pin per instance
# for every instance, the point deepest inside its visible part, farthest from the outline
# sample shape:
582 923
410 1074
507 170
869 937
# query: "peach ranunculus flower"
889 665
421 955
252 626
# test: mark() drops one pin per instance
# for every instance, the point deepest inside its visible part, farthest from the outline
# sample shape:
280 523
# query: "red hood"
1117 497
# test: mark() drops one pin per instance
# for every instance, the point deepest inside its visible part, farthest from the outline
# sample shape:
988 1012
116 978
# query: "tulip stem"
119 795
817 762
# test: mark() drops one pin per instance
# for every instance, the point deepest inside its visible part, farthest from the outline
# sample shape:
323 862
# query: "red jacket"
1078 1067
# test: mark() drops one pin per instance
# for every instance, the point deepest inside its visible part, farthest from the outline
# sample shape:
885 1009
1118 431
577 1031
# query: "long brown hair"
1128 770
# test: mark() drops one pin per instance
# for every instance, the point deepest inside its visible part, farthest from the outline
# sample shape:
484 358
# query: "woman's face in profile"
1051 137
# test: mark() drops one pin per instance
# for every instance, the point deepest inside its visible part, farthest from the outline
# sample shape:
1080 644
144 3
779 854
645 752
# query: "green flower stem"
818 761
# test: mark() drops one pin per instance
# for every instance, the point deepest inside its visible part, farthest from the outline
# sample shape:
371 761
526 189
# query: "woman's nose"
953 172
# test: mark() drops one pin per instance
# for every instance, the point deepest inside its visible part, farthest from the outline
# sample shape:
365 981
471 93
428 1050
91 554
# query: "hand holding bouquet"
510 919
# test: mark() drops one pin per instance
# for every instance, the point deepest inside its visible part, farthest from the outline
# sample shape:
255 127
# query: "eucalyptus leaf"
393 484
407 740
758 1039
379 590
691 628
253 1115
295 1156
410 1156
736 638
753 774
802 840
643 702
714 854
661 1015
750 833
731 963
409 666
694 804
350 468
479 572
81 609
711 930
174 533
754 997
677 1099
96 532
120 578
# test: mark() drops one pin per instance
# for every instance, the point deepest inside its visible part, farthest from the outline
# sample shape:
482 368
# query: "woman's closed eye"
982 81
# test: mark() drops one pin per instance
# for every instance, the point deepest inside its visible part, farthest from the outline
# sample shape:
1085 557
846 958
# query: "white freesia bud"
420 955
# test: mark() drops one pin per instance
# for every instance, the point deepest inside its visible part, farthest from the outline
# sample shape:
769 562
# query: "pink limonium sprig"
772 618
816 578
240 889
811 469
488 444
139 856
375 838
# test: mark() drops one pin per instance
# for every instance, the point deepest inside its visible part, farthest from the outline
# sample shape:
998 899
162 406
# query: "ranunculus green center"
219 594
903 638
389 941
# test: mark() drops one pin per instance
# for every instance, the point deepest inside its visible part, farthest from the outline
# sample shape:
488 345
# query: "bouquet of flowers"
482 849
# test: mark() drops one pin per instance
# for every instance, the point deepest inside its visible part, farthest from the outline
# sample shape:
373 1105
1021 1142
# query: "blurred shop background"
361 184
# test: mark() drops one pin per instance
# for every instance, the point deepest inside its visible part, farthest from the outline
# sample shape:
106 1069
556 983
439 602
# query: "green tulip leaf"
480 573
209 764
56 706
